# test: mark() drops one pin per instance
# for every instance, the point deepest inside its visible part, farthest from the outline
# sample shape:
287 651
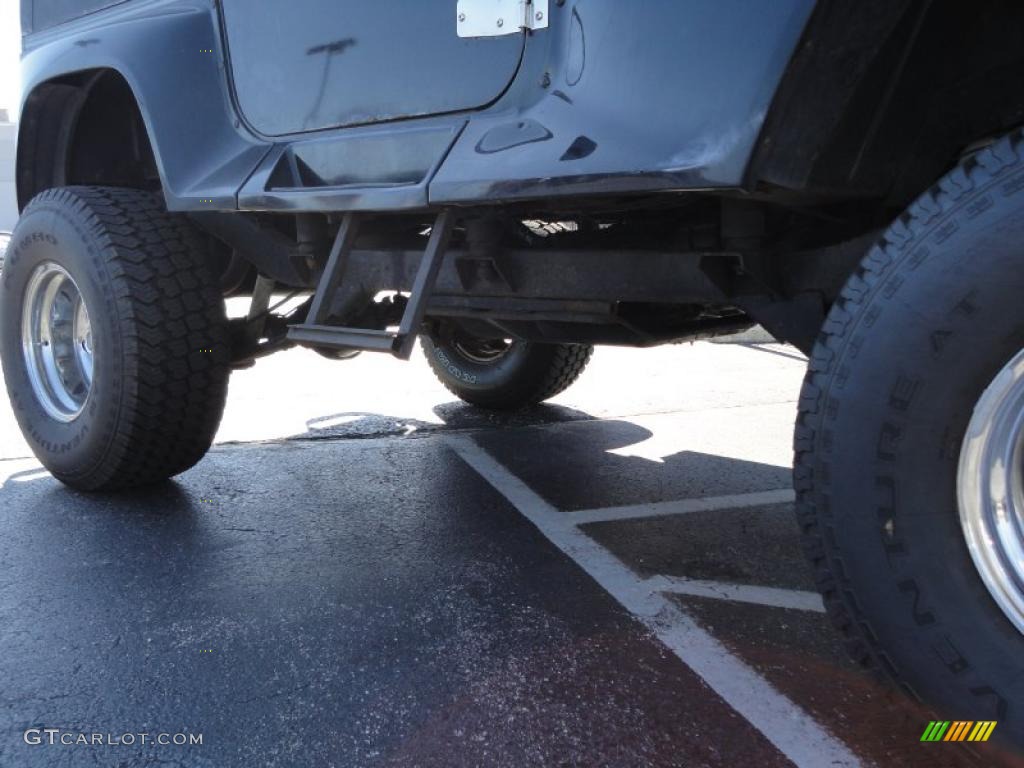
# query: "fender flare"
201 149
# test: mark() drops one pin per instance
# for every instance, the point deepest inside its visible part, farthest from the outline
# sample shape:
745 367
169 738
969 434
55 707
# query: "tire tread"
565 363
883 259
172 392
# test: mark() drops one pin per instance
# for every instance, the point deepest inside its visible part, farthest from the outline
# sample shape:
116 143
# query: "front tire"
916 339
113 338
503 375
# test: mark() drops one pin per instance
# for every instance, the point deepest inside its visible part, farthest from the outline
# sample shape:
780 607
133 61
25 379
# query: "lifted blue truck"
515 181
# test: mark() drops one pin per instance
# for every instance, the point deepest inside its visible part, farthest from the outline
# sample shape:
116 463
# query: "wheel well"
84 128
882 97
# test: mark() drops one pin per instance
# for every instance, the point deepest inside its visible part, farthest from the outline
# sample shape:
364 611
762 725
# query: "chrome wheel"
990 485
482 351
56 339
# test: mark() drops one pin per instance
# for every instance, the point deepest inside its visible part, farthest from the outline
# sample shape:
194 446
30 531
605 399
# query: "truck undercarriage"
626 278
849 175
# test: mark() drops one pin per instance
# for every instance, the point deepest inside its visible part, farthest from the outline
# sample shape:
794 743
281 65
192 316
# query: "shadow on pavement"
451 416
312 603
363 603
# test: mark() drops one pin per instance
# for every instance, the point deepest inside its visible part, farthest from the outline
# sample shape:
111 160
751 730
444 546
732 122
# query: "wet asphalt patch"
382 606
612 584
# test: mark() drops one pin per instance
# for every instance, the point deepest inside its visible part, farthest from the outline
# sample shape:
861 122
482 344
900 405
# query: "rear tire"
919 332
504 376
150 394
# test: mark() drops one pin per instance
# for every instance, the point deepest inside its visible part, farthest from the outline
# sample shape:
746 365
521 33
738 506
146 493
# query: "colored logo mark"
958 730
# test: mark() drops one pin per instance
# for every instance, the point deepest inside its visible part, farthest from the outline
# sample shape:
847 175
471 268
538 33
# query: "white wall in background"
10 87
8 199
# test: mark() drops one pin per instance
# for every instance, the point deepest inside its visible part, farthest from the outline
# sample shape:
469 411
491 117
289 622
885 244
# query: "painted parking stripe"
12 470
739 593
682 507
793 732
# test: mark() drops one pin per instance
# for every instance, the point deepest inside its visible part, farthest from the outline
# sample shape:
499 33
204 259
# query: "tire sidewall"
53 232
937 327
471 376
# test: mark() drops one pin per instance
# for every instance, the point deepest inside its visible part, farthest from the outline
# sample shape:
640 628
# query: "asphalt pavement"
364 572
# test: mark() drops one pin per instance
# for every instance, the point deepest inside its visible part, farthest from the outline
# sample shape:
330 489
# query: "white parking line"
19 469
793 732
683 507
739 593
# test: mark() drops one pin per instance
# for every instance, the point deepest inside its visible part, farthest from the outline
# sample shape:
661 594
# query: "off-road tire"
159 333
931 315
526 375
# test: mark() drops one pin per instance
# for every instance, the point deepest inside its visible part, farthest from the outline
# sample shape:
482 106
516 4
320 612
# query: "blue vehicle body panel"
363 169
325 64
170 54
652 96
37 15
611 98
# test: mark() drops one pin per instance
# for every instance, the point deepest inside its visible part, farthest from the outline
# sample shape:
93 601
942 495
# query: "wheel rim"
481 350
990 486
57 342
